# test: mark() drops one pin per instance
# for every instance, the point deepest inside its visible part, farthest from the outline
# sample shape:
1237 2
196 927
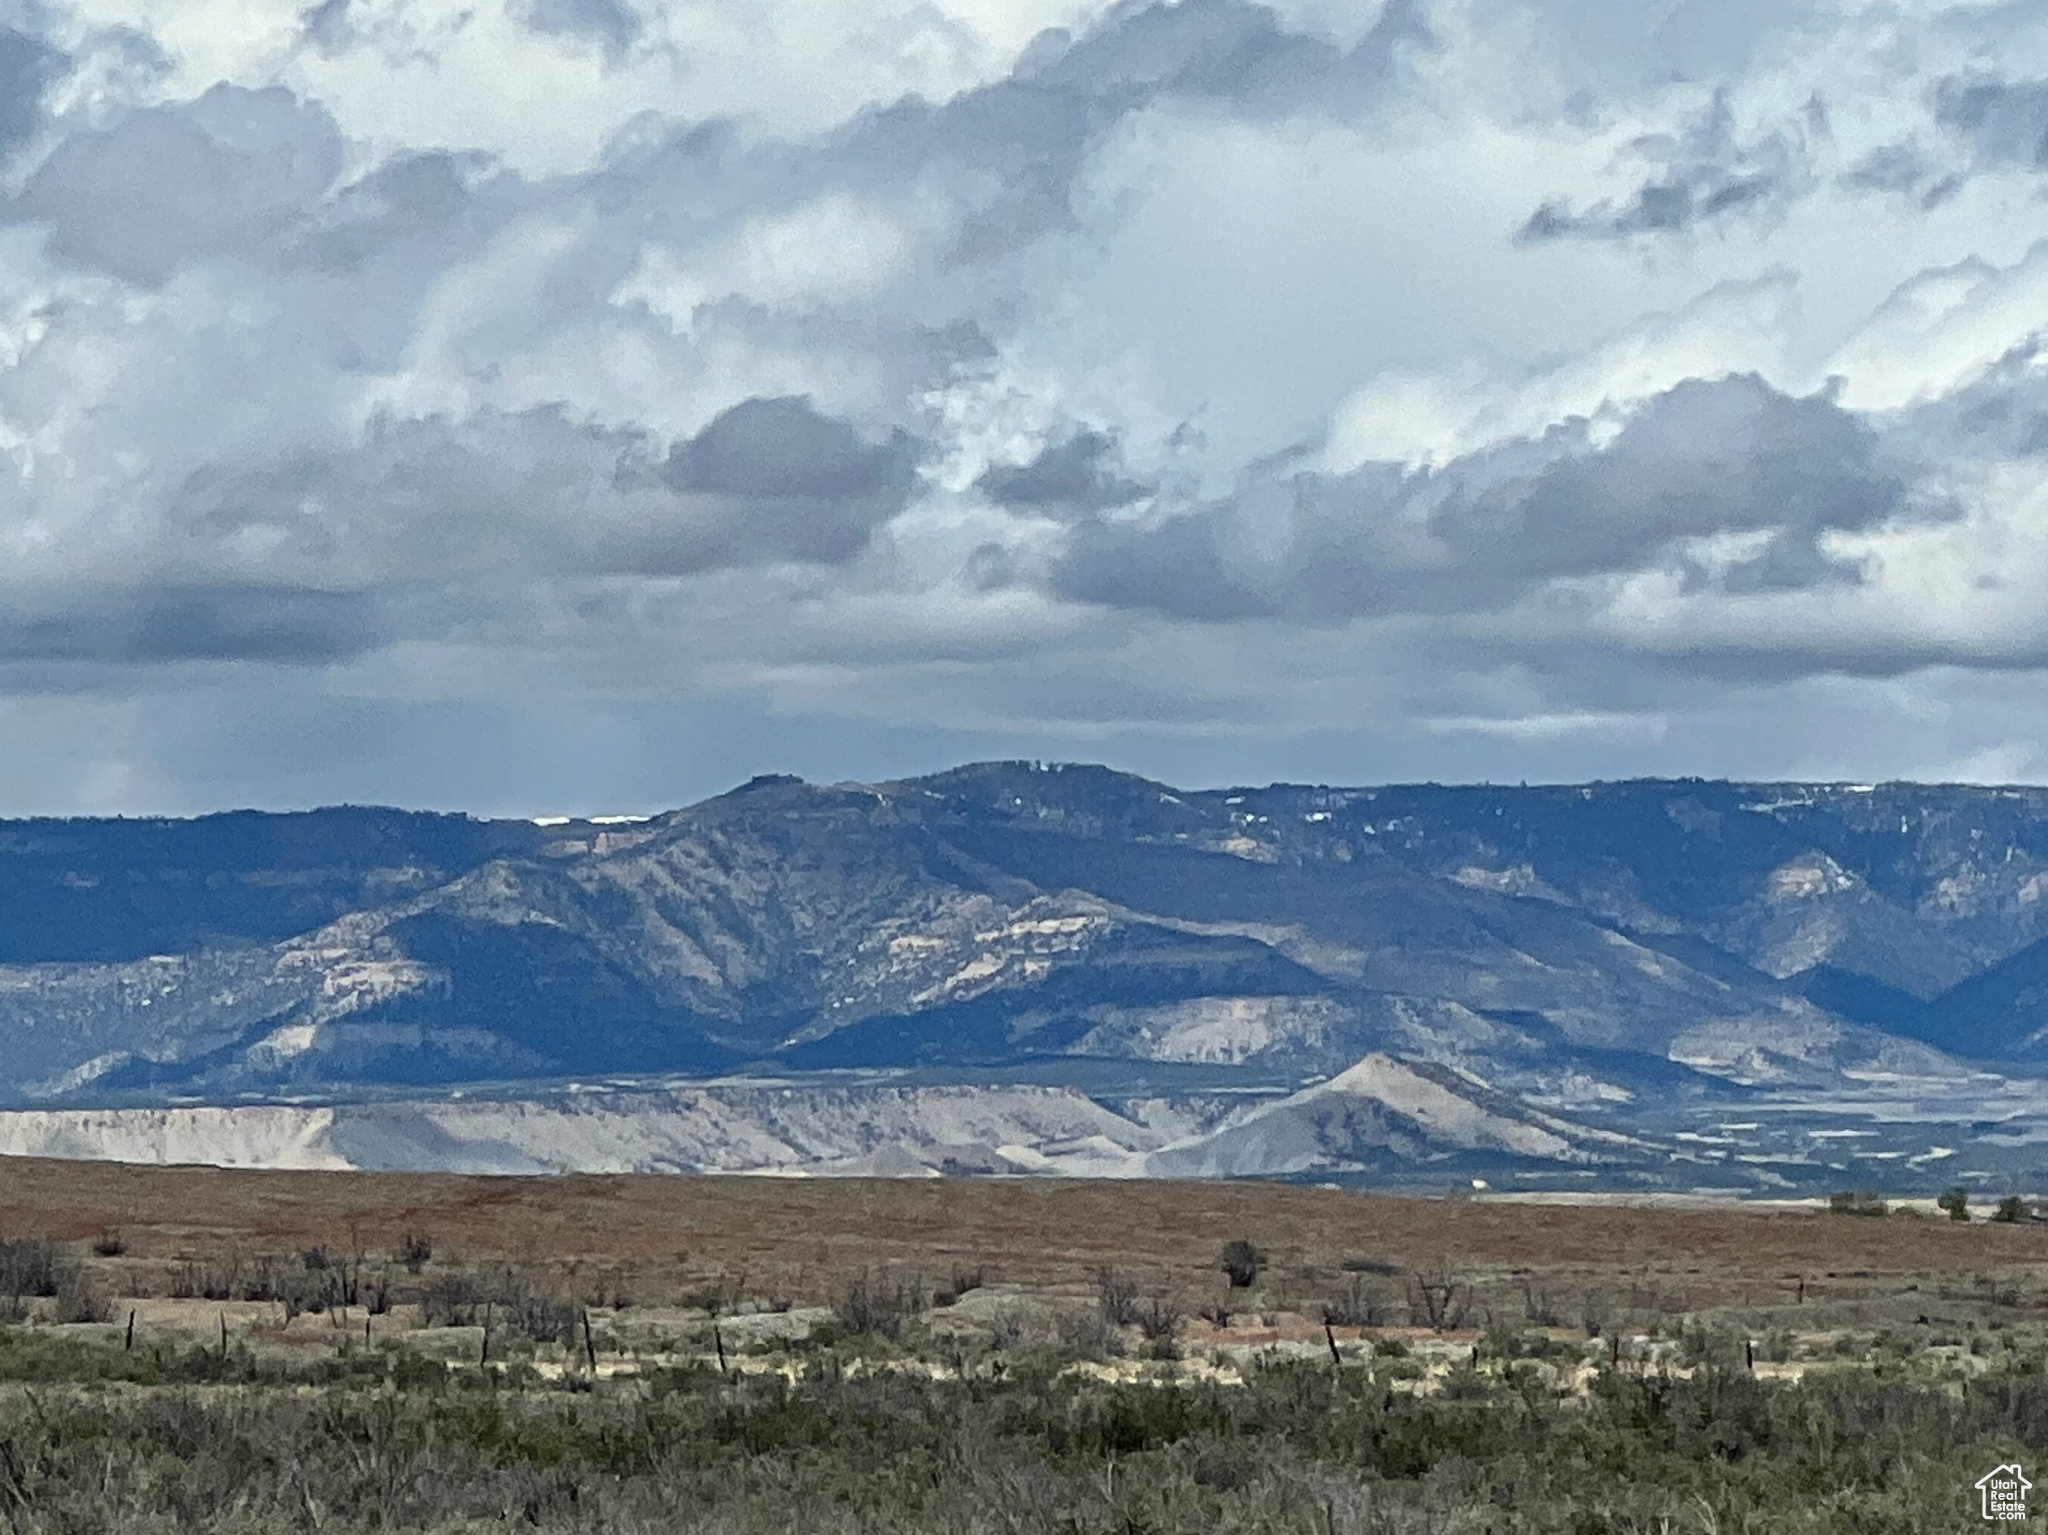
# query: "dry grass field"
237 1353
657 1238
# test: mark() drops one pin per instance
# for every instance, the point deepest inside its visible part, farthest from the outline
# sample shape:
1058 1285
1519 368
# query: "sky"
577 406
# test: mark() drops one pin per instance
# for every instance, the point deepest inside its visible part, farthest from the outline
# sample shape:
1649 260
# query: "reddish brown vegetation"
659 1237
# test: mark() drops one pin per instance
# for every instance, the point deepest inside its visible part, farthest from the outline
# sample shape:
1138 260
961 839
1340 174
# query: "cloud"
1703 176
425 209
220 176
1904 171
780 480
830 251
1942 330
1702 461
159 625
327 25
1032 132
441 515
495 530
27 66
611 24
1977 123
1227 52
1430 419
2003 121
1074 471
1443 386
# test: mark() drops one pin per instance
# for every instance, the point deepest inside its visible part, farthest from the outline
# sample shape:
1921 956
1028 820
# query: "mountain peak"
769 781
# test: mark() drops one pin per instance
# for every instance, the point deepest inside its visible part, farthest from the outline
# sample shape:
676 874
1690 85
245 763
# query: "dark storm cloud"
431 528
1076 471
220 176
609 23
1704 458
1702 176
774 479
199 623
537 496
27 66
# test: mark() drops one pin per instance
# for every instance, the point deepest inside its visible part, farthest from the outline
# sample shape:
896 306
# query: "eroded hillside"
1588 969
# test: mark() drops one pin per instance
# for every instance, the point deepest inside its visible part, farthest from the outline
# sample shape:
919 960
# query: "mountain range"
1655 983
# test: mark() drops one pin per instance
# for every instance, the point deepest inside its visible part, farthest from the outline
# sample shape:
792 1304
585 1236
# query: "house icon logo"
2004 1491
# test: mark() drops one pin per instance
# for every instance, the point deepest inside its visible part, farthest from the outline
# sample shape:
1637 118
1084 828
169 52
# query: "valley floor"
661 1238
233 1352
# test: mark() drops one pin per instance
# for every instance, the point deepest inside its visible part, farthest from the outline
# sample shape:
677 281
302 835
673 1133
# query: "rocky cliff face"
1588 951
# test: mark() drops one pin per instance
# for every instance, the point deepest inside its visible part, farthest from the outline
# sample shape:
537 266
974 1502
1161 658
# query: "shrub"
1440 1298
543 1318
1160 1321
1856 1202
1242 1262
1956 1201
79 1300
108 1244
261 1284
414 1252
710 1298
874 1305
452 1300
2011 1210
430 1447
1117 1297
1088 1336
1363 1306
29 1267
194 1281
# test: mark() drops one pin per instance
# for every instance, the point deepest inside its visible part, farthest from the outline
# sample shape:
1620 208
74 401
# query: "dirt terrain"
802 1241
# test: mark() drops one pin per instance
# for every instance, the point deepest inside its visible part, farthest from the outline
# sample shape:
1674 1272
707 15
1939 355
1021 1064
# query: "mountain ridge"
1599 952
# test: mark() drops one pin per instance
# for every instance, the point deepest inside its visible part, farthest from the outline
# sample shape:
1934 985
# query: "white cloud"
1943 329
1550 727
1432 418
829 251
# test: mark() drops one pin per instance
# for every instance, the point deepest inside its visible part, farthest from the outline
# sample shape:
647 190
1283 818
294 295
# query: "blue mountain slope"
1007 912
